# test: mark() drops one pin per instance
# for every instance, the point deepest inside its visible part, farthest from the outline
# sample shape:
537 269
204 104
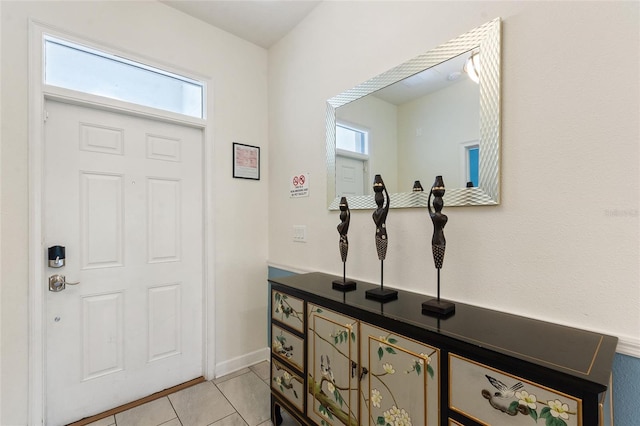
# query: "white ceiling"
265 22
262 22
428 81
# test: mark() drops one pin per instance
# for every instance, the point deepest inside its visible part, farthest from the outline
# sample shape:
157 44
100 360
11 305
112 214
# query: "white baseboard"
242 361
628 346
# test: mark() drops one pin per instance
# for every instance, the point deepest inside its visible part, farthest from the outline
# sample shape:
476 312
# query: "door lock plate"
57 283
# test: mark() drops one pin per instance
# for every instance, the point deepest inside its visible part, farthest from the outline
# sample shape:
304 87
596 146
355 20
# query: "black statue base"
381 294
441 308
344 285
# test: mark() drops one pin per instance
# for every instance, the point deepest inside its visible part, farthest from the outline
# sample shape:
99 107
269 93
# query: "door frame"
38 93
366 169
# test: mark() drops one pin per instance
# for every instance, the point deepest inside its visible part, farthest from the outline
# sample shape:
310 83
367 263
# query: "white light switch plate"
300 233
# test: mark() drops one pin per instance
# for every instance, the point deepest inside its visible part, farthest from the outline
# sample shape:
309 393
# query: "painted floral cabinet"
332 379
288 383
342 359
491 397
400 380
287 353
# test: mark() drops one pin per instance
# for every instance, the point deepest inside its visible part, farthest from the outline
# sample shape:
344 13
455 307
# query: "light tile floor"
238 399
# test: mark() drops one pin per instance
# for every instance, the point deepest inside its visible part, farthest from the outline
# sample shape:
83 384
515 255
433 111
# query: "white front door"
350 176
123 194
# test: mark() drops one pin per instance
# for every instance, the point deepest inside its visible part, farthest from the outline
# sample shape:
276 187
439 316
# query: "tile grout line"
235 410
230 403
226 417
251 371
174 410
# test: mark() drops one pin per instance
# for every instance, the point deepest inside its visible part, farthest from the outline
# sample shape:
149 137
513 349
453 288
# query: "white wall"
380 118
446 118
563 244
239 73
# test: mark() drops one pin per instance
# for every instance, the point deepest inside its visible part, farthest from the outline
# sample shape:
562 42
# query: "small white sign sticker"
299 185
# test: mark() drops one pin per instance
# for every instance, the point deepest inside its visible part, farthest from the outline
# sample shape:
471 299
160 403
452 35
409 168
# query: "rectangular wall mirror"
423 118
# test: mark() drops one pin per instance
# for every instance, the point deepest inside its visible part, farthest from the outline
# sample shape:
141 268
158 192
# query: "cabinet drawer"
287 346
288 384
288 310
493 397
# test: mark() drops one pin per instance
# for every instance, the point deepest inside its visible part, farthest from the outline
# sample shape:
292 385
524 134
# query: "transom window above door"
351 139
76 67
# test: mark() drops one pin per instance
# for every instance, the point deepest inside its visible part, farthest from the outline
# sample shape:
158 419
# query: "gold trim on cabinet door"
601 412
487 345
349 356
359 370
411 353
435 349
461 358
296 338
294 376
299 315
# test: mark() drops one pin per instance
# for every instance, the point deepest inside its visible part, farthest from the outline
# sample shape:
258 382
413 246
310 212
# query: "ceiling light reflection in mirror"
421 119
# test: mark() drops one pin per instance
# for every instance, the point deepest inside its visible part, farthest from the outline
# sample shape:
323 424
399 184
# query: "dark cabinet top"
585 355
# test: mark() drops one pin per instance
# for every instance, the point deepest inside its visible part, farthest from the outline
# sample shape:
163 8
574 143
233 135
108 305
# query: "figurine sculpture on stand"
379 218
343 228
438 245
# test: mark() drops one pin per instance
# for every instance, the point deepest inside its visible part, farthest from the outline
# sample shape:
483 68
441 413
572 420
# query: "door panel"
350 178
332 368
163 220
402 380
102 335
123 194
102 220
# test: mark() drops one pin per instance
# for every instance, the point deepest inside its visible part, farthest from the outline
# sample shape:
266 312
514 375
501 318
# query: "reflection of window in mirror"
352 139
470 163
352 160
398 130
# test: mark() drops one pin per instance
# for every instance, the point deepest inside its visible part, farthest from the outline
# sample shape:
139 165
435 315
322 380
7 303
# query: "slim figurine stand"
381 294
343 228
438 307
380 218
343 284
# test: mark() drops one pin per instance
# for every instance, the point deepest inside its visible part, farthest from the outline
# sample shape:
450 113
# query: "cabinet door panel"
288 310
493 397
287 346
332 357
402 381
288 384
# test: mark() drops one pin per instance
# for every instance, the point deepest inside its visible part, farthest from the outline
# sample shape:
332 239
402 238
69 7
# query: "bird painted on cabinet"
503 390
325 369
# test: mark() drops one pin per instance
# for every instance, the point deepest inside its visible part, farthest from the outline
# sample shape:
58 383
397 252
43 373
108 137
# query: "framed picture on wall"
246 161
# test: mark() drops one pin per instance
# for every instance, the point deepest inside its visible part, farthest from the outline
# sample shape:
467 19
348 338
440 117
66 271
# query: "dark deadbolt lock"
56 256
